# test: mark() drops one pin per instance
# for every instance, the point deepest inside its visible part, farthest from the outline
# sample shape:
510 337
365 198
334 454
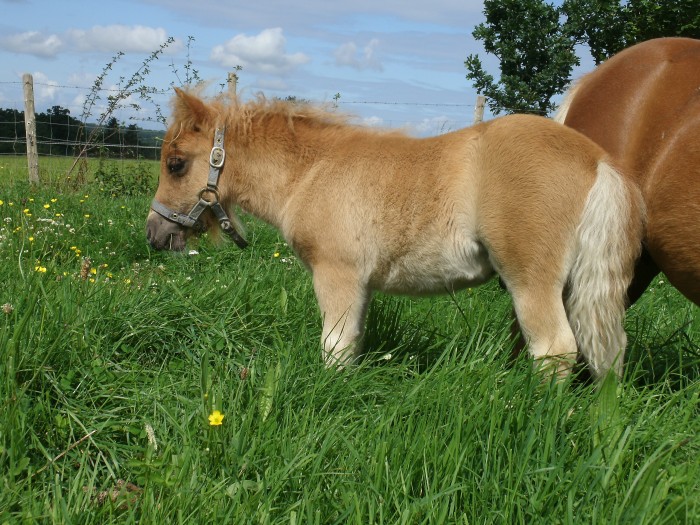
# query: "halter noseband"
191 220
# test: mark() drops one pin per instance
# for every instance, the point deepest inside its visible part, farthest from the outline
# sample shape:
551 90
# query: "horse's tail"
609 239
563 109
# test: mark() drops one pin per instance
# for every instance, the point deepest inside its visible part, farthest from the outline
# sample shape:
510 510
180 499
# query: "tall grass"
110 370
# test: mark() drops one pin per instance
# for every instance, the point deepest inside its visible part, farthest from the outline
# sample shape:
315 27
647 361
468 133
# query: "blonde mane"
238 115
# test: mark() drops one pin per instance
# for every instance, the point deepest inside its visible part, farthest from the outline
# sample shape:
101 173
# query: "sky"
393 63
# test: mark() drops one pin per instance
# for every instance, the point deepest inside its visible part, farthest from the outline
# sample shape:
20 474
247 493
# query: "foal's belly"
428 272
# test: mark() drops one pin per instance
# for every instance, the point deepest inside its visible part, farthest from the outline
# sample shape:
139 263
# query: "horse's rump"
643 107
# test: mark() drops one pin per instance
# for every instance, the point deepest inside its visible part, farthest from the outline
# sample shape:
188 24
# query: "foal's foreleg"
343 301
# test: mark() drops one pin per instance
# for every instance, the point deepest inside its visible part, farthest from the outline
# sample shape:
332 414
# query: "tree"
536 56
535 42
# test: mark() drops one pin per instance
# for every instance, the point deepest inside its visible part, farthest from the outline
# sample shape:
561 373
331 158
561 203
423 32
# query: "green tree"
535 41
536 56
609 26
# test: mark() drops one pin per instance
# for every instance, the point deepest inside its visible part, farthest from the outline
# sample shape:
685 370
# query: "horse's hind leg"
343 301
544 324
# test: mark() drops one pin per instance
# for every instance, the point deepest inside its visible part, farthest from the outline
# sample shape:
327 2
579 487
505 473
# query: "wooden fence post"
30 128
479 109
232 83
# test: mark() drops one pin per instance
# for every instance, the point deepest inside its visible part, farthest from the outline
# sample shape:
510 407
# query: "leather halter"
211 191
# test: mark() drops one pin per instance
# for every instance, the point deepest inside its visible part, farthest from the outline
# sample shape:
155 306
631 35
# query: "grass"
107 382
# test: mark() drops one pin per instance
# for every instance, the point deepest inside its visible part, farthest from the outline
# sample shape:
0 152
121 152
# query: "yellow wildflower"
40 269
47 206
216 418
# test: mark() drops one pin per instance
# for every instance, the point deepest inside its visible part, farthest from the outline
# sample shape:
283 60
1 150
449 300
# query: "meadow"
142 387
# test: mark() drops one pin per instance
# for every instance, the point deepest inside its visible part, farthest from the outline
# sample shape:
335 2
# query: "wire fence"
133 131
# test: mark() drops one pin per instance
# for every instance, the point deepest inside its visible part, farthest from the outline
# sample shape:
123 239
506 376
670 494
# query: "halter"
211 190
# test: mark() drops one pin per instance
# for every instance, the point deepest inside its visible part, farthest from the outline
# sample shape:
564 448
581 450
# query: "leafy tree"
609 26
536 56
535 42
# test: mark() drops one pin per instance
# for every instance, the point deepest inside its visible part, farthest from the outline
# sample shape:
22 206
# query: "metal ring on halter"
215 191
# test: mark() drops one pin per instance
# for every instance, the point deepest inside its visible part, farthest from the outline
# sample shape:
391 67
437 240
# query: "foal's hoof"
340 360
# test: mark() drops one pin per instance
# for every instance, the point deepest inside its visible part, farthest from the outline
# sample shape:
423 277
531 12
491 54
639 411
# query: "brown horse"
521 196
643 107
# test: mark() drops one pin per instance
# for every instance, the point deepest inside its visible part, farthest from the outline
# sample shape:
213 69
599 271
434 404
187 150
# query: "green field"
111 369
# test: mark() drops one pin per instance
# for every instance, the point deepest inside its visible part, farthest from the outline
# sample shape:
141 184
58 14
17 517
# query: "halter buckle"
217 157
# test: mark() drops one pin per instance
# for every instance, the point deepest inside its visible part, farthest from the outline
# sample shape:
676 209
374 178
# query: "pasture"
111 371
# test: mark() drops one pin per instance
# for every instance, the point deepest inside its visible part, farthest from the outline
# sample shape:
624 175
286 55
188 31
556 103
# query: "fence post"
479 108
30 128
232 83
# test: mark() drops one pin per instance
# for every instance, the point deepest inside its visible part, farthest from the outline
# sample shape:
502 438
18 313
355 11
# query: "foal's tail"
609 240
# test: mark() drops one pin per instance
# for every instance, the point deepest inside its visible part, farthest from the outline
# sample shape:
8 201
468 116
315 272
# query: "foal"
521 196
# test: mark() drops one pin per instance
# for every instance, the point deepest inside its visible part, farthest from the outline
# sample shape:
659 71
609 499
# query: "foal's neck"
268 166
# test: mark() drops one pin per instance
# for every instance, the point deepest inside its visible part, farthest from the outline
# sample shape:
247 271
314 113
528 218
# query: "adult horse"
521 196
643 107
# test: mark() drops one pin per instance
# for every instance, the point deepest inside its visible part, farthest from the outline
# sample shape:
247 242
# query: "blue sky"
408 55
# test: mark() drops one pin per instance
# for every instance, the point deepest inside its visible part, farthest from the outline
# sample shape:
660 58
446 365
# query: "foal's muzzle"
163 234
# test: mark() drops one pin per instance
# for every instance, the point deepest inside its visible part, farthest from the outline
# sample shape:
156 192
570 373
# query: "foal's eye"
176 165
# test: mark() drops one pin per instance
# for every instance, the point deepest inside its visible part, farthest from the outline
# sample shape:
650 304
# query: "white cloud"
117 37
264 53
347 55
109 39
45 90
373 122
32 43
434 126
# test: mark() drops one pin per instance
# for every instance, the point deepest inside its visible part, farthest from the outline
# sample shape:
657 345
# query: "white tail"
608 244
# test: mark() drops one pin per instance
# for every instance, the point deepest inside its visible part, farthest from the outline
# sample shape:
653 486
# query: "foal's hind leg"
543 321
343 301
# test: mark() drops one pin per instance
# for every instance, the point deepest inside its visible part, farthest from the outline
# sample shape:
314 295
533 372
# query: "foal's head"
184 170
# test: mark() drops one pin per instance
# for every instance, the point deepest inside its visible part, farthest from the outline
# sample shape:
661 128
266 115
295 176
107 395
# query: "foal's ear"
191 110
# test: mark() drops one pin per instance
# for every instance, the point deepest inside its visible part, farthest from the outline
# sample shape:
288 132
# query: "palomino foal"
521 196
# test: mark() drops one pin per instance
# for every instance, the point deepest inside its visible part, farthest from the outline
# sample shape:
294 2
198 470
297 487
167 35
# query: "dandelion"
40 269
93 271
31 239
216 418
276 254
53 201
7 308
47 206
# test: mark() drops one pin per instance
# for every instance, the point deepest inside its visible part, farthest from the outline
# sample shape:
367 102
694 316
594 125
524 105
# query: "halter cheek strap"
211 191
